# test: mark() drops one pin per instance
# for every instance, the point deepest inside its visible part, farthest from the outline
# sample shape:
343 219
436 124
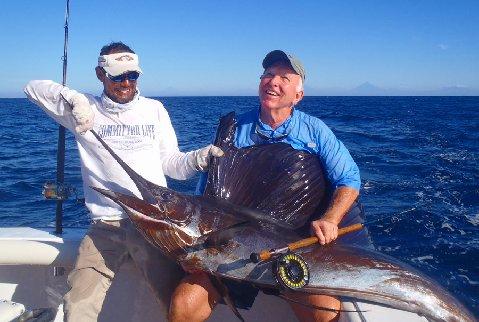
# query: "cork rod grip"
313 240
267 254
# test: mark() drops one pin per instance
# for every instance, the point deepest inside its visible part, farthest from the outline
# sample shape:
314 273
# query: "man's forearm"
50 97
343 198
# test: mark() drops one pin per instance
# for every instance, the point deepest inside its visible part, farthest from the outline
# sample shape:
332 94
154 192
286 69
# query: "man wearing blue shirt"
280 89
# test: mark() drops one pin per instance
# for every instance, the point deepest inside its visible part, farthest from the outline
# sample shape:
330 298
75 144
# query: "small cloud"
443 46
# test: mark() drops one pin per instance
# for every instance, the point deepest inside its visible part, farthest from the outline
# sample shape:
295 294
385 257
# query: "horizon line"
321 95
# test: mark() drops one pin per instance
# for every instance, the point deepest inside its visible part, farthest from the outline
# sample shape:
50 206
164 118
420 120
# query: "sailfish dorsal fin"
283 183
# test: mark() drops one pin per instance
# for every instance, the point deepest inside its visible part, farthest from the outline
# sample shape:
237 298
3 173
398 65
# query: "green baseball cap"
279 55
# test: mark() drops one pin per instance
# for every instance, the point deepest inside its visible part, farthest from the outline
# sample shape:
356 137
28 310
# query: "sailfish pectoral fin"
222 236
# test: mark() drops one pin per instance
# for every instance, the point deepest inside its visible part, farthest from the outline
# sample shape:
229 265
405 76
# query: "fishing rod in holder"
58 192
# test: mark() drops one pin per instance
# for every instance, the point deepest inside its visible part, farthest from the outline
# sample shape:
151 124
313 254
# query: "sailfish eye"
165 195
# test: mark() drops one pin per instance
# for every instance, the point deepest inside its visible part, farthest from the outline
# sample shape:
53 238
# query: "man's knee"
194 299
84 300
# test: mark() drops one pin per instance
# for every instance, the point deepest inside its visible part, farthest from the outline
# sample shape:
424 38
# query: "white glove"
203 156
82 113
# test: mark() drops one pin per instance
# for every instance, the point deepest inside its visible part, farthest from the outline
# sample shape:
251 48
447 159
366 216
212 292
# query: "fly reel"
291 271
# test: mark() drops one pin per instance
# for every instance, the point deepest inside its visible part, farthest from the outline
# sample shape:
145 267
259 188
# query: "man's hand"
326 231
326 228
82 113
202 156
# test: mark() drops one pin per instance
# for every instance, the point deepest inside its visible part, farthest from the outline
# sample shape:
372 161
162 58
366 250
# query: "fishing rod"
290 269
265 255
61 131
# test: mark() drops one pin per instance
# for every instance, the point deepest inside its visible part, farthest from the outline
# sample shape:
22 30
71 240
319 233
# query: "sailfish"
258 198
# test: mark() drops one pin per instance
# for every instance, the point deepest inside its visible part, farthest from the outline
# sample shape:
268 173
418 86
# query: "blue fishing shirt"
302 132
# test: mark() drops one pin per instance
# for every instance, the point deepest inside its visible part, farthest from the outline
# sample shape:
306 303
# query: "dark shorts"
242 294
357 238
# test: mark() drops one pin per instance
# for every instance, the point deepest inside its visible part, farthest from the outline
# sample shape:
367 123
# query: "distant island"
369 89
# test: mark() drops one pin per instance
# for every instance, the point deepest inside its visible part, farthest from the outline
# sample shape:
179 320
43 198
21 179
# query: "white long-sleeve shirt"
142 136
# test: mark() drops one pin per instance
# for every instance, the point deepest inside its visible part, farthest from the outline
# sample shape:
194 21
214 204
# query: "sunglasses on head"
131 76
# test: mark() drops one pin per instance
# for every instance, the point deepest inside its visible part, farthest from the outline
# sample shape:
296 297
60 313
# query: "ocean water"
418 156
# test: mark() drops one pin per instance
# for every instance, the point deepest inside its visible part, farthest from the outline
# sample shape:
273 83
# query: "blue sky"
216 47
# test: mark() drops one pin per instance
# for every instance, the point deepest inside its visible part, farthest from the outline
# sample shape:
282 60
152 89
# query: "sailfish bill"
259 198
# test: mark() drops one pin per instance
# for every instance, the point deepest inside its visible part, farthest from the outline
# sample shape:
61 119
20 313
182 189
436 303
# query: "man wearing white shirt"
139 130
